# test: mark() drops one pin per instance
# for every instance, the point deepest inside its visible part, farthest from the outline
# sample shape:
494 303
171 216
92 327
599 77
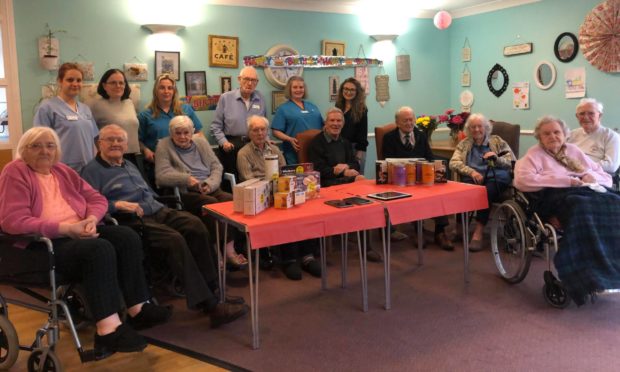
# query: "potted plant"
49 59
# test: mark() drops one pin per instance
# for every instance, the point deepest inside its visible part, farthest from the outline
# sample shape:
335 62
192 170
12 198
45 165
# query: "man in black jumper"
406 141
333 155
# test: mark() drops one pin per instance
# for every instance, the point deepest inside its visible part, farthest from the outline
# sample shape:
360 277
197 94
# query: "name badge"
304 111
72 117
256 107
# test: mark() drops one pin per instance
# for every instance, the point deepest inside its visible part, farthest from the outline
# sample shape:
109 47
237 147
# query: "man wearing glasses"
229 126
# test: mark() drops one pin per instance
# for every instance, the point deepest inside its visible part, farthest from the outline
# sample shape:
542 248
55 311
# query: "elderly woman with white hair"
571 191
186 161
471 160
40 195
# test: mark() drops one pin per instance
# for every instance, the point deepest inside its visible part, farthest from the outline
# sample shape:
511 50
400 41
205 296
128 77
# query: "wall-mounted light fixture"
384 37
159 28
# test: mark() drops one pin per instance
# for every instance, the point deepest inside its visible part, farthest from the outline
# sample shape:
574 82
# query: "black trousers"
108 267
229 159
193 202
183 240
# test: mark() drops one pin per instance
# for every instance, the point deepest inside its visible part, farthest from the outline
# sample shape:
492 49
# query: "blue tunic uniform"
152 129
292 119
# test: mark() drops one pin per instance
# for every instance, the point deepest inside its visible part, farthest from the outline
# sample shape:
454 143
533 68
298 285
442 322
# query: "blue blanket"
588 260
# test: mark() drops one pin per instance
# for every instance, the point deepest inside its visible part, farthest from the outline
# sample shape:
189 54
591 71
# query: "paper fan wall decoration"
599 36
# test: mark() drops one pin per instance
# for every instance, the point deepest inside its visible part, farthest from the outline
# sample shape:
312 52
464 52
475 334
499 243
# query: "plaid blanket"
588 260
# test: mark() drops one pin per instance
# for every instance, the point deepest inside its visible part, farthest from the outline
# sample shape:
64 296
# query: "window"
10 108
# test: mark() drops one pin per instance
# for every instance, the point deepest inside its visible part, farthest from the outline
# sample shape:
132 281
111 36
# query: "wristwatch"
277 76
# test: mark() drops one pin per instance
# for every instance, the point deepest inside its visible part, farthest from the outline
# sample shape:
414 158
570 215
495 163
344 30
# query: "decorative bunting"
309 61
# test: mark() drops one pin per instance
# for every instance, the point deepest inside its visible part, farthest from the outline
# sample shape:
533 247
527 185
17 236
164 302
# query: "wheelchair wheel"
9 344
51 363
554 292
75 298
510 242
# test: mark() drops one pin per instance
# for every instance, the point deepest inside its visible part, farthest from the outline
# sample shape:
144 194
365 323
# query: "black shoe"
226 313
236 300
442 241
150 316
313 267
124 340
292 271
373 256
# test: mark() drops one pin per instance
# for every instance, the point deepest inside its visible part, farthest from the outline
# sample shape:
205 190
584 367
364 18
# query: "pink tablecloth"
312 219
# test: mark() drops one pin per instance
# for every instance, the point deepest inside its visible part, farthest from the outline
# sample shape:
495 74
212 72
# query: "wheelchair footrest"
92 355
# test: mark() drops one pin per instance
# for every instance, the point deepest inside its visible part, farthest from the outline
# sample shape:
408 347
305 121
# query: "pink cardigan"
537 170
21 202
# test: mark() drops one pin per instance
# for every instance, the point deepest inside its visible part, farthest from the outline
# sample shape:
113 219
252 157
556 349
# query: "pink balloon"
442 20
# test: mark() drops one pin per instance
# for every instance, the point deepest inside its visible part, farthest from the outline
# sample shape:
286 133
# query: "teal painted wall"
104 32
109 34
539 23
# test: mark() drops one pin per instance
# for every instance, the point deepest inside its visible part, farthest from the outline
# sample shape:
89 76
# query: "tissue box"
238 194
283 200
256 197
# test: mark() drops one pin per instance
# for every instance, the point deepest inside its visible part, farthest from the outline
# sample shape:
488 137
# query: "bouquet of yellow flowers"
427 124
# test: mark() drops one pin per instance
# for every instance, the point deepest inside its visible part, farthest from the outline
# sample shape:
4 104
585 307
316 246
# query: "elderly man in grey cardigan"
187 161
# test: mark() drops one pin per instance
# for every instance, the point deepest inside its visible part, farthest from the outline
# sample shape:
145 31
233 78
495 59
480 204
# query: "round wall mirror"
544 75
566 47
497 80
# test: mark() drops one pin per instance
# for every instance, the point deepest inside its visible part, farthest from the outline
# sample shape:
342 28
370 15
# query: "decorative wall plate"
466 98
497 80
599 36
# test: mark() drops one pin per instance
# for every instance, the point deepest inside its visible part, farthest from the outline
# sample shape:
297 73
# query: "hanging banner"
382 88
309 61
361 75
403 67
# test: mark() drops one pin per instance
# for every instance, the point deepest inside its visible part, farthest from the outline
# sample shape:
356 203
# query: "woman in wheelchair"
574 191
188 162
39 195
483 159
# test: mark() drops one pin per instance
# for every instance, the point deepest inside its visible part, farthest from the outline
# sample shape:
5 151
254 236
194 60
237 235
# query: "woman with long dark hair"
352 101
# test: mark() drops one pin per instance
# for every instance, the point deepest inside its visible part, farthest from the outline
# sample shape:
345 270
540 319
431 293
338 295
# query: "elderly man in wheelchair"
39 195
559 187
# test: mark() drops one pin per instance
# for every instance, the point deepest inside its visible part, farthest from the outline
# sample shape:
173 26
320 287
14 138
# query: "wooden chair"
379 133
304 139
511 133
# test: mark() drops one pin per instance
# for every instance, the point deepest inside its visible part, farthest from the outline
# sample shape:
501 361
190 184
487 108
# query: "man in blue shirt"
229 126
178 236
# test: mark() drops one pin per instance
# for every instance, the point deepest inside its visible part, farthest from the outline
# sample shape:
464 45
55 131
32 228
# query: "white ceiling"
414 8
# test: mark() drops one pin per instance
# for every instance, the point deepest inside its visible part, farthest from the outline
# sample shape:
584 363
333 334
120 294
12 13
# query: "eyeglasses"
249 80
40 146
349 90
111 140
116 83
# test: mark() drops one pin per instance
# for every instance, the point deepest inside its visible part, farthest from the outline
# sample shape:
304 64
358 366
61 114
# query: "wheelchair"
517 233
66 306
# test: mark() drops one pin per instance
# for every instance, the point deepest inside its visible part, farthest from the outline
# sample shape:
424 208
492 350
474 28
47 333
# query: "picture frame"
168 63
223 51
334 85
333 48
195 83
225 84
513 50
277 98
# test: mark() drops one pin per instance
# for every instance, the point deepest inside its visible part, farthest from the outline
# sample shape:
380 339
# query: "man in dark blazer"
406 141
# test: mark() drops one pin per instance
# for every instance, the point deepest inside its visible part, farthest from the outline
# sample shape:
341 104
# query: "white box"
256 197
238 194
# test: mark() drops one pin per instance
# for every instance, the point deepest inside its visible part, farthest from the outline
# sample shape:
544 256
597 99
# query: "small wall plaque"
513 50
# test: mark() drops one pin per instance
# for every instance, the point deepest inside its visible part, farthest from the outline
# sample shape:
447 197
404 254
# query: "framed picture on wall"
195 83
223 51
168 63
333 48
334 84
225 84
277 98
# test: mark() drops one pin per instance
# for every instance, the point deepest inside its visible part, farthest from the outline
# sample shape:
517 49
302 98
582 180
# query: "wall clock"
277 76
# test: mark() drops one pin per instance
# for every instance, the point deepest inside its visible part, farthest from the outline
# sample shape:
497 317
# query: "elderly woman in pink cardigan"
570 190
40 195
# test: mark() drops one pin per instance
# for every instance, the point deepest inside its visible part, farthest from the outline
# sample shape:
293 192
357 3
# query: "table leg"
221 265
385 236
420 226
322 242
362 248
465 220
253 281
344 239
